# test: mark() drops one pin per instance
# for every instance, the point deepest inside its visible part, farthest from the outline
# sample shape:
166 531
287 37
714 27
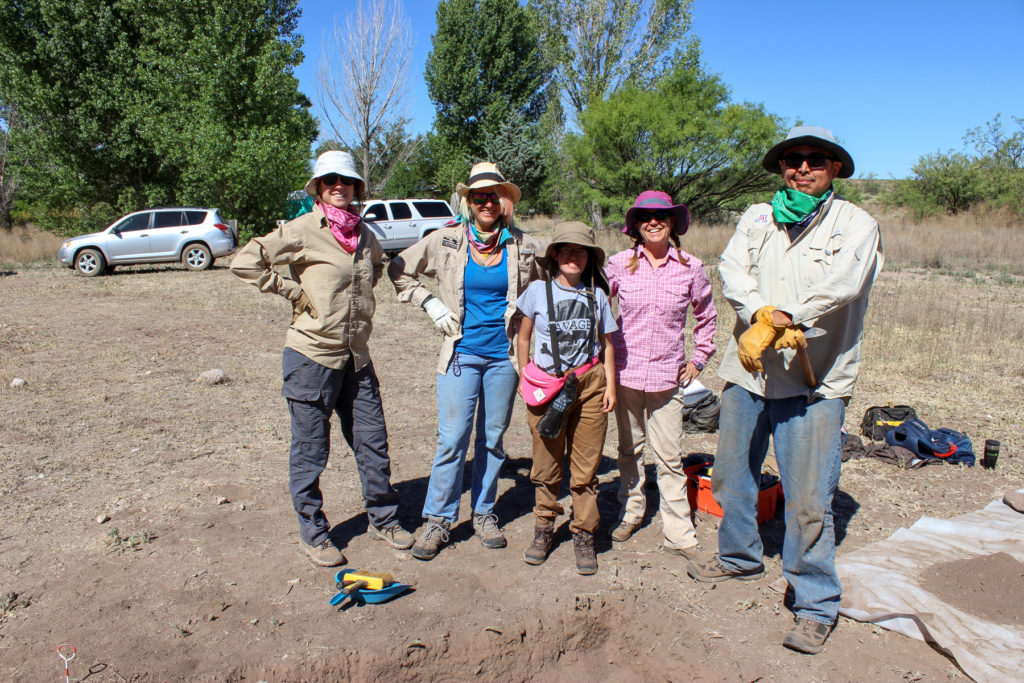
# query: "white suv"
399 223
195 236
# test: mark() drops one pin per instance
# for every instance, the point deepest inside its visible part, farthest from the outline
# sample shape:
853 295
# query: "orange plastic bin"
698 492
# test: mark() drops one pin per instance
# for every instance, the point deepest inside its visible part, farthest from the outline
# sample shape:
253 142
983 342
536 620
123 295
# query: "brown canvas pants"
581 441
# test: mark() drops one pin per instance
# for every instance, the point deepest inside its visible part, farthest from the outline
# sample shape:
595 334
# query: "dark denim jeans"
314 392
808 449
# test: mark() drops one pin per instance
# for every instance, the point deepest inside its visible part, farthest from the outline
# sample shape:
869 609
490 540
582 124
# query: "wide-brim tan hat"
484 175
338 162
809 136
580 234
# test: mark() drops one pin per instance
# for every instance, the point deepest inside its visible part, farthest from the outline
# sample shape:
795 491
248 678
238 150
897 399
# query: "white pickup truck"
399 223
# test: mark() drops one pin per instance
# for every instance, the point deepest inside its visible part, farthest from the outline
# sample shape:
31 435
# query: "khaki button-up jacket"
303 256
443 254
822 280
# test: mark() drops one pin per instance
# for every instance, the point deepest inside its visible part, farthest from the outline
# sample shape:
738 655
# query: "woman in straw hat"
572 320
656 283
481 263
326 263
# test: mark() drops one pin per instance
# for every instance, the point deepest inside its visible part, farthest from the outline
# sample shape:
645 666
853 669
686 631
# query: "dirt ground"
197 574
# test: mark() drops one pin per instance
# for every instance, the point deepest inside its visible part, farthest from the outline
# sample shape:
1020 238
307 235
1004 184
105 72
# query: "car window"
376 212
433 209
194 217
167 219
400 211
138 221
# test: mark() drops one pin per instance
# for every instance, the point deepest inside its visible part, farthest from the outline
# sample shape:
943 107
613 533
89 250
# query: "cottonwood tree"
600 45
682 137
132 103
362 87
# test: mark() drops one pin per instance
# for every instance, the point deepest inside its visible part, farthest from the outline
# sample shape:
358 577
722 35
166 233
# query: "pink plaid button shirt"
650 348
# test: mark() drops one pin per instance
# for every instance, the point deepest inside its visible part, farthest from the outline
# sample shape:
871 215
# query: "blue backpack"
941 444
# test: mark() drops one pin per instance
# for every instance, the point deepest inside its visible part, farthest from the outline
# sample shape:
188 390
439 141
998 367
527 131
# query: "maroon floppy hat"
653 200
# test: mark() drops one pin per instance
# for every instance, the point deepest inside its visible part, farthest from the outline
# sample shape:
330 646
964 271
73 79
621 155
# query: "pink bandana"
344 225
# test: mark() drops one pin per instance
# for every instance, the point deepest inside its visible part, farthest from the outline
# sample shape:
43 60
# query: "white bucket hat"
334 162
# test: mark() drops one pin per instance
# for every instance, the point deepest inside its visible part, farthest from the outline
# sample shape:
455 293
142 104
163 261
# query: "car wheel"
90 263
197 257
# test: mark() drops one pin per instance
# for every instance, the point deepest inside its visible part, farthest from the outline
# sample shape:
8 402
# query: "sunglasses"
332 179
566 251
648 216
481 198
815 160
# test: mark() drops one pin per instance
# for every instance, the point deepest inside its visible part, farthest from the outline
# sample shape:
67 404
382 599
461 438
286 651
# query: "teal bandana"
792 206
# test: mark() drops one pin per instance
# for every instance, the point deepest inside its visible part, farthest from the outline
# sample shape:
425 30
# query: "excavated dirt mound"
991 587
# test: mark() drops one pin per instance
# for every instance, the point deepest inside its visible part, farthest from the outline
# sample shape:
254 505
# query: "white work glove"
444 319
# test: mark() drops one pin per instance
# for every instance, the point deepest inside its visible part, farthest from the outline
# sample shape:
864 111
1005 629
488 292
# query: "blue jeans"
478 387
808 449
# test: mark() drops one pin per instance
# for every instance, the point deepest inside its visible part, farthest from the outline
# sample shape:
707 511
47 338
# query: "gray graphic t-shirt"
574 318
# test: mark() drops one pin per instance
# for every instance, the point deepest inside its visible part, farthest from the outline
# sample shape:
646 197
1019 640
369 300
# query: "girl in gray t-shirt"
574 336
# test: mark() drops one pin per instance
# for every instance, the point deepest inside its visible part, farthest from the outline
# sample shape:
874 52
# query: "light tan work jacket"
303 256
822 280
443 254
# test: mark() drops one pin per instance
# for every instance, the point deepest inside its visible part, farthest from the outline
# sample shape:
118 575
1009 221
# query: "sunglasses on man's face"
648 216
332 179
815 160
481 198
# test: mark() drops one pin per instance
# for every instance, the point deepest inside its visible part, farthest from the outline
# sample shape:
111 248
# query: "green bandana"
791 206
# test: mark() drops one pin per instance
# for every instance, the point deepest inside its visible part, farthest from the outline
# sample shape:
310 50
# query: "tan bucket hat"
484 175
580 234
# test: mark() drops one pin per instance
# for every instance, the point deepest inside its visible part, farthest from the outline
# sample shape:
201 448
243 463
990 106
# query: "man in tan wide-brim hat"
806 259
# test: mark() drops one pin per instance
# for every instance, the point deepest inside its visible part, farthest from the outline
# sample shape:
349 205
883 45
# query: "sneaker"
324 554
543 540
624 530
486 527
394 535
433 537
586 557
712 570
808 636
691 553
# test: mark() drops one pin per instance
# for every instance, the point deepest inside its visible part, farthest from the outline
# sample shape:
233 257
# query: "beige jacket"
443 254
821 280
303 256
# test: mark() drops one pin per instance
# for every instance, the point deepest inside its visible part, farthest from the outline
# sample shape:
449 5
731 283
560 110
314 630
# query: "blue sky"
894 79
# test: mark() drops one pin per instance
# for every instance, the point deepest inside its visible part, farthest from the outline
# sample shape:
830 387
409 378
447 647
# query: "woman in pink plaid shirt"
656 283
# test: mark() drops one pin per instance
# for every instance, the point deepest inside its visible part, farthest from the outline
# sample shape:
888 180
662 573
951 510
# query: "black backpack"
700 413
880 420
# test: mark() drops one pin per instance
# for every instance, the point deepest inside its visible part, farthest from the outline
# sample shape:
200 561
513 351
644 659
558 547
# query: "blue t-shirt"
574 318
483 327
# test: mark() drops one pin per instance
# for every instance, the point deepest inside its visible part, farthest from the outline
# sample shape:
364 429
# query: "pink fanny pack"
538 387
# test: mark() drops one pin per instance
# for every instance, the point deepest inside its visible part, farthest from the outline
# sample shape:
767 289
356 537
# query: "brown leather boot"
586 556
543 539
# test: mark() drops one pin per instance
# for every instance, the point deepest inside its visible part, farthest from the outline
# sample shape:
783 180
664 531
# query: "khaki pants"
657 418
582 440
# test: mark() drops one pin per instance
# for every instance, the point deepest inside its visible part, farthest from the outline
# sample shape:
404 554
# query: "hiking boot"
808 636
324 554
394 535
434 535
543 539
586 557
624 530
486 527
691 553
712 570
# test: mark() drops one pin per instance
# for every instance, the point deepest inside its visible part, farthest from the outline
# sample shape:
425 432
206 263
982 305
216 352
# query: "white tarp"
880 585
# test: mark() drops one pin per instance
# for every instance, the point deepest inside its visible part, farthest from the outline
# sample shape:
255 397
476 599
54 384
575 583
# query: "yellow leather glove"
791 338
302 305
753 343
764 315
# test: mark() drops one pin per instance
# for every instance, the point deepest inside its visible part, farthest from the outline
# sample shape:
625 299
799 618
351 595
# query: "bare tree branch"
362 87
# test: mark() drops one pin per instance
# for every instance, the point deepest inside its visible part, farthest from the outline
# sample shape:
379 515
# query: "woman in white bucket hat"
482 263
326 263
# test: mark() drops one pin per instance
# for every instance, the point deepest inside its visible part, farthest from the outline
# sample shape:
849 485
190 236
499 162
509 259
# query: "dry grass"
22 245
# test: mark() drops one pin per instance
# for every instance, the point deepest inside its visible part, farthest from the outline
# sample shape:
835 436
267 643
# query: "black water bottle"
551 424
